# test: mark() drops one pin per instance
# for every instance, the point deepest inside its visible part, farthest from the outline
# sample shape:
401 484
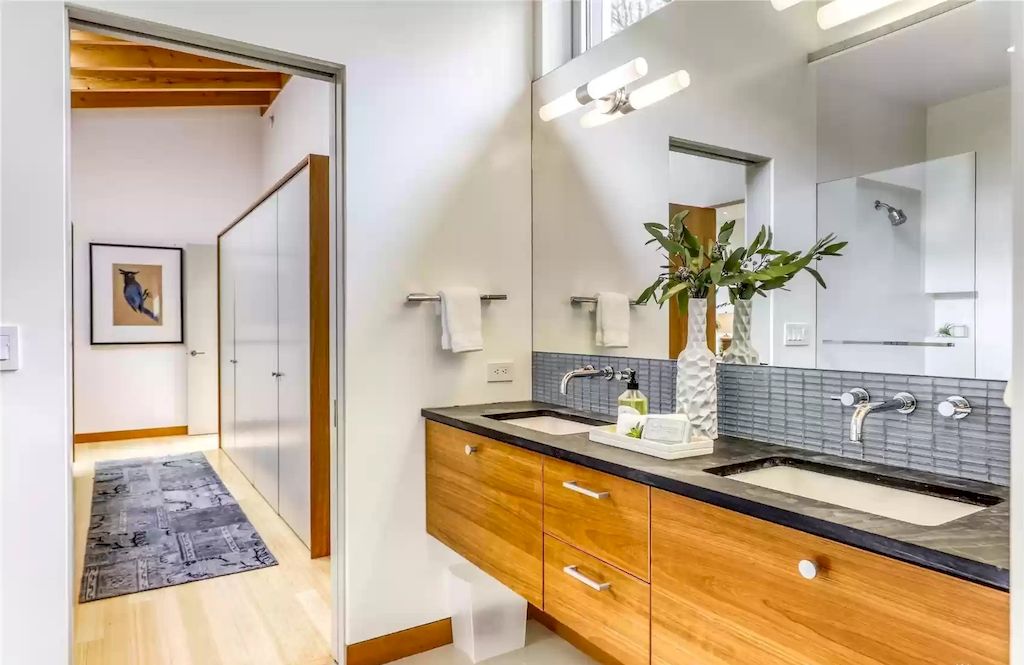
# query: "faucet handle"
852 397
955 407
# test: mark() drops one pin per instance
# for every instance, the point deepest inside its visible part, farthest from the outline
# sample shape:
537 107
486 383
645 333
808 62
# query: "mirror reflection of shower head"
896 215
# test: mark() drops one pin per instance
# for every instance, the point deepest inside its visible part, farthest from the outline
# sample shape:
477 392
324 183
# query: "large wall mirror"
901 147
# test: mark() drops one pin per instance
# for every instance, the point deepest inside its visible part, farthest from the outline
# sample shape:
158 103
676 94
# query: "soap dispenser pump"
633 401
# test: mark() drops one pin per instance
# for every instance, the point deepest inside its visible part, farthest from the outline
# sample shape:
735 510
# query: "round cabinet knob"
955 407
470 450
808 569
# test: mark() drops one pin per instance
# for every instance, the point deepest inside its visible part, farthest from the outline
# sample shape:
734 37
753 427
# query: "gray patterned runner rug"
162 521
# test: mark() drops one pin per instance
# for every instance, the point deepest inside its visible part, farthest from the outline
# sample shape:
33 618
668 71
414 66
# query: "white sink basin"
898 504
551 424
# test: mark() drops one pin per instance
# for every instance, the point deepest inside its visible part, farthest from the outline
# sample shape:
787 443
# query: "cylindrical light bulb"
567 103
659 90
783 5
596 118
841 11
609 82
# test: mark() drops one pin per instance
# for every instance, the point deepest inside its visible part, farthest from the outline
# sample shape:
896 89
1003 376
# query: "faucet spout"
585 371
903 402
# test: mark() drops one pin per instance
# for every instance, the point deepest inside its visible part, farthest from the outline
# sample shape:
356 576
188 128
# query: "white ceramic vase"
741 351
696 382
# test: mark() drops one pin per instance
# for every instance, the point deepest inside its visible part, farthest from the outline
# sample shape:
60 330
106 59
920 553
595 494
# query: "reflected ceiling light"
602 86
1011 49
838 12
783 5
621 102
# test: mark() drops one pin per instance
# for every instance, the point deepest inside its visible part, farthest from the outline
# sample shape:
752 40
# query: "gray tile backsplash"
791 406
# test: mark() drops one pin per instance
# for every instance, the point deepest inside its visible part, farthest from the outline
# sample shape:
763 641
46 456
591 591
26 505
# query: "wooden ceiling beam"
126 57
85 37
89 80
96 100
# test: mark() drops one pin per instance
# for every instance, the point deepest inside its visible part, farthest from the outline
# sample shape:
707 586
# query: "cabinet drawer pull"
572 572
470 450
808 569
571 485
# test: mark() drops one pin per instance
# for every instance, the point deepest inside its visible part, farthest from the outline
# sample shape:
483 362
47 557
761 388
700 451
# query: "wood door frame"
319 342
704 225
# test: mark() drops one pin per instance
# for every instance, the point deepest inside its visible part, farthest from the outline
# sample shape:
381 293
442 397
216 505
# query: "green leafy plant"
636 431
691 269
759 267
945 330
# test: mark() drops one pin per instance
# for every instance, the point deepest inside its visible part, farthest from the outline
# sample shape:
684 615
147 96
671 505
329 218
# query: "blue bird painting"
137 295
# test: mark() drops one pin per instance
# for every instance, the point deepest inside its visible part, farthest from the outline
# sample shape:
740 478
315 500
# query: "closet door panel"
294 352
256 321
226 358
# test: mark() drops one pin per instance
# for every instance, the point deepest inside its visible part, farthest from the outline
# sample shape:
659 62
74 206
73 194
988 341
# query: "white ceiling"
946 57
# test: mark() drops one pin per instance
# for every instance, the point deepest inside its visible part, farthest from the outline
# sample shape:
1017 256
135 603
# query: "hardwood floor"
274 616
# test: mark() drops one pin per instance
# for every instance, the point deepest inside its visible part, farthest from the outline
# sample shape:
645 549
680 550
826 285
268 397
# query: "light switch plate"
796 334
10 356
499 372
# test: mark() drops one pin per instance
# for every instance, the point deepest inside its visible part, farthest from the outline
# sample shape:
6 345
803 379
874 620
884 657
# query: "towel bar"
426 297
579 300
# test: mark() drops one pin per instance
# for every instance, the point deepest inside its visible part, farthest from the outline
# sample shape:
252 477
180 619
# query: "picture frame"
136 294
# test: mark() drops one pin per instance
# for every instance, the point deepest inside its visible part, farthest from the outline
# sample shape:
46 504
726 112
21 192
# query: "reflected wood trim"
569 635
213 99
703 223
121 435
409 642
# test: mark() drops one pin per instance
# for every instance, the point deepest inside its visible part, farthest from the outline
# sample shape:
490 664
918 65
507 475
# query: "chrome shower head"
896 215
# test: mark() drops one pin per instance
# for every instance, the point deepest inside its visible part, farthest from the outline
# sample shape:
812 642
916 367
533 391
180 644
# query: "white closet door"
294 349
226 281
257 368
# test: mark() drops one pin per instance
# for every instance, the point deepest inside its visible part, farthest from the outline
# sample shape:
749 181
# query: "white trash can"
488 619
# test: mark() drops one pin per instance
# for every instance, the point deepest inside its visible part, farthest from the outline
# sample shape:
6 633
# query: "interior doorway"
184 551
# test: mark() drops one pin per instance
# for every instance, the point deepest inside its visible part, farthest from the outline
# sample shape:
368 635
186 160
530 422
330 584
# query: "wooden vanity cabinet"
727 588
484 500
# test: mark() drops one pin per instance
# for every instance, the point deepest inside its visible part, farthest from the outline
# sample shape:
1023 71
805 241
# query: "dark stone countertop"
975 547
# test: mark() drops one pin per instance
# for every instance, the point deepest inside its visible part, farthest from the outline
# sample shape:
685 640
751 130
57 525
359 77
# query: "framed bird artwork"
136 294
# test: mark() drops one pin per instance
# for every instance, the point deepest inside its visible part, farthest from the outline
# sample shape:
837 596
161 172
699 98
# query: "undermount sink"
549 422
905 500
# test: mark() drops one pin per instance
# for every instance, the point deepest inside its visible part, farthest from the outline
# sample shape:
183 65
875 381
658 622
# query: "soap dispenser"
633 401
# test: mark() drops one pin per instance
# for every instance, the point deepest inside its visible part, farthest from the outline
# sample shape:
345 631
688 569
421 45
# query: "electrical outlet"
499 372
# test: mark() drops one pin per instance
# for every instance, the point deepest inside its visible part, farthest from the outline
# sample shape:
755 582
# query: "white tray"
695 447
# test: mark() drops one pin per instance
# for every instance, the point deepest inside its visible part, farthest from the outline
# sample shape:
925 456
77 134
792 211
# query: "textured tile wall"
791 407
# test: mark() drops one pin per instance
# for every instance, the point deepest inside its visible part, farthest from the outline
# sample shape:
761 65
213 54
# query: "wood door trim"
401 644
269 192
123 434
319 356
704 229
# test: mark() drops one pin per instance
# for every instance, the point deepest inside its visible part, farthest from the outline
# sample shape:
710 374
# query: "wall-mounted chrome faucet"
904 403
607 373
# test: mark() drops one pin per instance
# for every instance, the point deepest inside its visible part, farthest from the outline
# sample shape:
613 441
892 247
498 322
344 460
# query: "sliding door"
256 348
293 279
226 358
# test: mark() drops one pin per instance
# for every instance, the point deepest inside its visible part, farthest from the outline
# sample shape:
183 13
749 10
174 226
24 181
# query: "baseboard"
569 635
120 435
409 642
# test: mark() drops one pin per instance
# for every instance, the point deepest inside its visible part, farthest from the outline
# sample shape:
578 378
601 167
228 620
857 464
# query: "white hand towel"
461 328
612 319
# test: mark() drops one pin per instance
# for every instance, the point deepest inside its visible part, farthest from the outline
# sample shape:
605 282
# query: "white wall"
981 123
35 424
150 177
705 182
438 193
751 91
297 124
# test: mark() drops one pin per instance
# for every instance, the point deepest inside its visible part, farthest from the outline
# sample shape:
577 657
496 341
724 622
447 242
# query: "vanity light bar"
838 12
622 103
602 86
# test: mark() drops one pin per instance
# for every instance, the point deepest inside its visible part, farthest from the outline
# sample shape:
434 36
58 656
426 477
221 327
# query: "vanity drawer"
726 589
484 502
609 608
602 515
